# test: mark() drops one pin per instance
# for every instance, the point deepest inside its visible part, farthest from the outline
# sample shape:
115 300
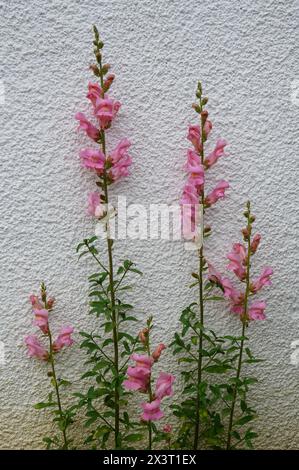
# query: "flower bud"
94 68
157 352
105 68
143 335
196 107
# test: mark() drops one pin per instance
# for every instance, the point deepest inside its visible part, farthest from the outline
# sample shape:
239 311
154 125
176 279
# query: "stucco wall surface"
245 54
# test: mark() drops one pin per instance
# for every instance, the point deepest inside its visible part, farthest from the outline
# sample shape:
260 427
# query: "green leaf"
244 420
41 405
217 369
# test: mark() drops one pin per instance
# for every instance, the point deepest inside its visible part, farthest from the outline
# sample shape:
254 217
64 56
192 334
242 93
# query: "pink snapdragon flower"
41 319
214 275
237 258
95 206
164 385
194 135
256 310
217 193
139 376
194 167
263 280
120 160
93 159
35 349
151 411
138 379
255 243
218 152
158 351
64 338
95 92
35 302
88 127
143 361
105 110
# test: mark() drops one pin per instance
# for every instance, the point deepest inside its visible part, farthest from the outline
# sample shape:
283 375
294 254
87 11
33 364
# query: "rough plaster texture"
244 52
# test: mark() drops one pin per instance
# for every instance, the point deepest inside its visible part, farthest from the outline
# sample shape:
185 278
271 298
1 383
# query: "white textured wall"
244 52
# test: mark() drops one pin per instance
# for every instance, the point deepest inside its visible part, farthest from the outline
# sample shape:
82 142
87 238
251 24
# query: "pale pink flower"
194 135
120 169
157 352
218 152
255 243
167 428
95 92
237 259
217 193
95 206
194 166
64 338
151 411
35 302
214 275
138 379
164 385
88 127
120 151
256 310
41 319
106 110
263 280
93 159
143 361
231 293
35 349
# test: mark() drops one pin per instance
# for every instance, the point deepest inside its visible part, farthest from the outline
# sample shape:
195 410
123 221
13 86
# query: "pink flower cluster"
139 378
41 319
116 163
237 264
194 188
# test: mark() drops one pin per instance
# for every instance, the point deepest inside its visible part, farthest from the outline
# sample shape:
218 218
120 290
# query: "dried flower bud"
105 68
204 115
143 335
255 243
94 68
245 232
204 101
50 373
50 302
207 229
196 107
251 219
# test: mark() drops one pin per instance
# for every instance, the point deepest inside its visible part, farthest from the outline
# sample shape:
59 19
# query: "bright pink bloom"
207 128
64 338
35 349
138 379
263 280
120 151
164 385
151 411
93 159
106 110
194 135
121 160
255 243
217 193
157 352
218 152
143 361
87 126
95 206
94 92
256 311
231 293
167 428
237 259
41 319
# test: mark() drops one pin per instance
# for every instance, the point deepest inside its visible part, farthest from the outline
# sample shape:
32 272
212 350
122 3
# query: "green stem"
112 292
52 362
150 395
200 307
244 323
